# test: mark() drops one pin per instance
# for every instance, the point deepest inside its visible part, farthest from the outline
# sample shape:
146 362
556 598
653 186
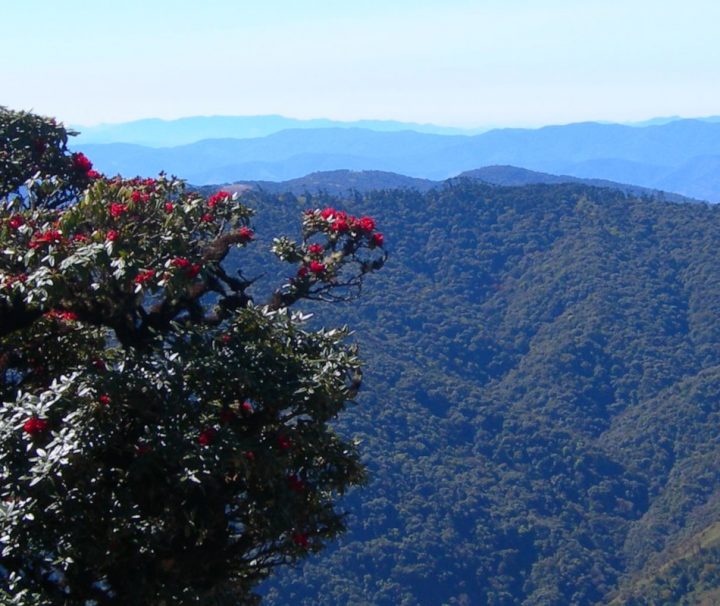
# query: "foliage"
164 439
544 400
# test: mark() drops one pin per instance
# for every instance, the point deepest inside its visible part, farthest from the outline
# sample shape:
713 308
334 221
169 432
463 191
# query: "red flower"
117 209
169 207
377 239
16 221
340 225
284 442
67 316
326 213
81 163
296 484
99 364
193 270
247 407
246 233
250 455
301 539
302 272
104 399
226 338
50 236
138 196
93 174
206 218
144 276
10 280
316 249
180 262
206 436
220 196
80 238
366 223
112 235
316 267
34 426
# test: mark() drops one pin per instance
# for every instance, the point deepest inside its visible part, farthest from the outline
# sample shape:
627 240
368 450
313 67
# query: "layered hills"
541 405
681 156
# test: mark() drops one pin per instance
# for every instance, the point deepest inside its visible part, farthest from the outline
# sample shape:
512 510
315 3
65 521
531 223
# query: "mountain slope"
540 416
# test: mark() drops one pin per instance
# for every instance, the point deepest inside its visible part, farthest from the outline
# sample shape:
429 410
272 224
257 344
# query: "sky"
463 63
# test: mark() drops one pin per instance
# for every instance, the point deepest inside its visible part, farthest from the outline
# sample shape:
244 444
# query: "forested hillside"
540 413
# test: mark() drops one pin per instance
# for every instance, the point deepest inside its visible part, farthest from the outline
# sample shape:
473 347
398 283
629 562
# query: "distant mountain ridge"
681 156
343 182
155 132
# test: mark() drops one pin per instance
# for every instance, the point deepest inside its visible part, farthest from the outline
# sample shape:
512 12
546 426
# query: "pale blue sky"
453 62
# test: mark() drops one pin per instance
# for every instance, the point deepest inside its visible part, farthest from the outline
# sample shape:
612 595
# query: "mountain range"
346 182
154 132
681 156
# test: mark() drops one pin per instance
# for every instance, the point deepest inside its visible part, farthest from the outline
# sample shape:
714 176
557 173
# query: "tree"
164 438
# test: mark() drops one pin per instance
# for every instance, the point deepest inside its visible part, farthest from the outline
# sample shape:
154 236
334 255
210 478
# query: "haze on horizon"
449 62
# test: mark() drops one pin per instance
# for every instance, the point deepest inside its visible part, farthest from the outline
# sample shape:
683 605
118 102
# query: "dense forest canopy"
542 410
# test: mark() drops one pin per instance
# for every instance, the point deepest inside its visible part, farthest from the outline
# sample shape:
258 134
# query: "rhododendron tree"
164 438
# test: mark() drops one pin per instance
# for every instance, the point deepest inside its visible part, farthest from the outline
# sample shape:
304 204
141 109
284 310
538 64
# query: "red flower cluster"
316 267
341 222
104 399
169 207
10 280
116 209
301 540
220 196
366 224
340 225
207 436
139 197
112 235
67 316
15 222
284 442
246 234
81 163
191 269
296 484
180 262
145 276
35 426
247 407
50 236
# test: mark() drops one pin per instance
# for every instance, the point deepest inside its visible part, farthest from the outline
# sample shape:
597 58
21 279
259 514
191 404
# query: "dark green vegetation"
348 182
681 156
541 412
